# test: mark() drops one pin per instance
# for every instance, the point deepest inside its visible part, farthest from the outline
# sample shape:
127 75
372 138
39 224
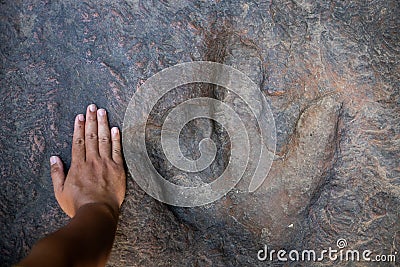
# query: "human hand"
97 173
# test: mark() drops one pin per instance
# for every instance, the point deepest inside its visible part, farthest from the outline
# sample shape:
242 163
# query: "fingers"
57 174
78 139
91 135
94 139
104 134
116 145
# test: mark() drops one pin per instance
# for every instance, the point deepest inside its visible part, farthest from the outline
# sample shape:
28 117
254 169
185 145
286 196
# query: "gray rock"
329 71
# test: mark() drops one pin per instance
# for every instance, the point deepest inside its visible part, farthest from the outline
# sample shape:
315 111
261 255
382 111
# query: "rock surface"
330 71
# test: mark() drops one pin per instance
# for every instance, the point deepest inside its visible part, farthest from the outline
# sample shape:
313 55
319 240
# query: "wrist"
103 208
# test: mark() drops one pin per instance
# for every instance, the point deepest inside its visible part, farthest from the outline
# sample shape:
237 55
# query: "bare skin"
91 194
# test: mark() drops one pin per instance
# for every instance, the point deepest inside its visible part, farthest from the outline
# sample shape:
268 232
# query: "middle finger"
91 135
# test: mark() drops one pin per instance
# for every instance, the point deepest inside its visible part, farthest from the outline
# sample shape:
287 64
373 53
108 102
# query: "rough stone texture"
328 69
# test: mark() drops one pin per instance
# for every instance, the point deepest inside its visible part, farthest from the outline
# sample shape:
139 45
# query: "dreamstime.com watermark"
339 253
256 147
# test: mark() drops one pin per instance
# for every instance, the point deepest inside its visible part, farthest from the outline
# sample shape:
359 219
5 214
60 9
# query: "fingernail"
53 160
92 107
101 112
81 117
114 131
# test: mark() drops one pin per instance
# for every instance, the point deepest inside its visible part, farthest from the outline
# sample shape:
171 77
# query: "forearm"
85 241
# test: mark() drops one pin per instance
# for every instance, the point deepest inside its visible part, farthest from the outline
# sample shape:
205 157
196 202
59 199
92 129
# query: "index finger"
78 139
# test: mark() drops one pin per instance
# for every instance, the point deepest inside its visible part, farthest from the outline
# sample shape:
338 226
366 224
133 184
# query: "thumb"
57 174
